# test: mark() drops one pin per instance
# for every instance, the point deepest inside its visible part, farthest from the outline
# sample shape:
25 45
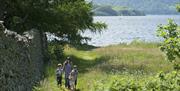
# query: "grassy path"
99 66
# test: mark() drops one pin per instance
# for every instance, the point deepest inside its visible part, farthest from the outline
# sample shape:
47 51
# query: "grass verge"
98 66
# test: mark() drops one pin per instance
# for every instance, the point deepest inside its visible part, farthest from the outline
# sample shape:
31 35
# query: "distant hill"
106 10
147 6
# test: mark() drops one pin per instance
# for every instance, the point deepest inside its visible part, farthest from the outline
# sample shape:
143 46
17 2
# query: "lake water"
125 29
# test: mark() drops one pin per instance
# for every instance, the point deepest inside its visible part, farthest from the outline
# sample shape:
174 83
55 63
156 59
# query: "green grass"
178 28
98 66
118 8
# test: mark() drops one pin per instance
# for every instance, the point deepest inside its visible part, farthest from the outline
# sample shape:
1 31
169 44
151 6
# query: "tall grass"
98 66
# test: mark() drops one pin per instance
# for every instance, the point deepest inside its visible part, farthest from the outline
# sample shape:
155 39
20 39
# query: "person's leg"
70 85
66 82
75 83
60 80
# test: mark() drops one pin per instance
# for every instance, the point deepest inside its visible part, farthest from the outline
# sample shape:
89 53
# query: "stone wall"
22 60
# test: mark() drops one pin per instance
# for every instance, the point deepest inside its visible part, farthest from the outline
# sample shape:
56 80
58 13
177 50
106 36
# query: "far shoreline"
145 15
127 43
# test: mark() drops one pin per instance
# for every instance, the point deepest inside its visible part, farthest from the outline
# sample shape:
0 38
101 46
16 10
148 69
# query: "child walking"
76 74
59 72
73 78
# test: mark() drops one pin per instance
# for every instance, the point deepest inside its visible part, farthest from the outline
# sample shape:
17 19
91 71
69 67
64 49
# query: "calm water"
125 29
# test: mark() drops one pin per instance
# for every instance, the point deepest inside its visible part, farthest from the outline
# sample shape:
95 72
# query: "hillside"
147 6
107 10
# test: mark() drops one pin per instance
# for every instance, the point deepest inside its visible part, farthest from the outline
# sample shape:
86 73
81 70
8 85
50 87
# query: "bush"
56 52
161 82
171 42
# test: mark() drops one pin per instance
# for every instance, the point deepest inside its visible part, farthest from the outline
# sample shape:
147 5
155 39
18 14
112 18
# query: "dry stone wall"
21 62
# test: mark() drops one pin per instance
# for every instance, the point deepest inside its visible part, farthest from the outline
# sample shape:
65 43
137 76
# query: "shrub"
161 82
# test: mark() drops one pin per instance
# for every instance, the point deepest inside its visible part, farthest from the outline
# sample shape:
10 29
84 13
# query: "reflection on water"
124 29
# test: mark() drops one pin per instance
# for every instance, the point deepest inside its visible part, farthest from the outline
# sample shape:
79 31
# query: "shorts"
59 80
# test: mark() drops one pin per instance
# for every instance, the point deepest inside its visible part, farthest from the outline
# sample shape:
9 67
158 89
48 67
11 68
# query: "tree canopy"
63 18
171 43
178 7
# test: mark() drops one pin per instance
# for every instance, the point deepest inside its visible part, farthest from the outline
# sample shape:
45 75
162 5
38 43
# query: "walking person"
59 72
72 80
67 69
75 74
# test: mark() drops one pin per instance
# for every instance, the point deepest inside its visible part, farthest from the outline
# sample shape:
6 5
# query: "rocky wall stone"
21 63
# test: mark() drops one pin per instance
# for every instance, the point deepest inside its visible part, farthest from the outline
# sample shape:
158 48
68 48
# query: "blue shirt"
67 70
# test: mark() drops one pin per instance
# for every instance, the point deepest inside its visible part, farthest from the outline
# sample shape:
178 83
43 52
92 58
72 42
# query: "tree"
171 36
63 18
178 7
171 42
